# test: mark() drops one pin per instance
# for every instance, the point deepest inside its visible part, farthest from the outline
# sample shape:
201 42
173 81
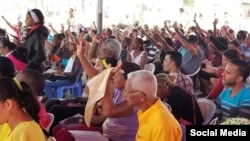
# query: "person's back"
188 112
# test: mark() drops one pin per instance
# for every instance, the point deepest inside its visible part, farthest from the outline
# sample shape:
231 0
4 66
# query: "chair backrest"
208 109
190 75
78 77
150 67
50 121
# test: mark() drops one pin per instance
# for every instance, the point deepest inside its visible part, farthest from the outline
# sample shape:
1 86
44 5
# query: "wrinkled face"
104 52
230 76
133 97
29 21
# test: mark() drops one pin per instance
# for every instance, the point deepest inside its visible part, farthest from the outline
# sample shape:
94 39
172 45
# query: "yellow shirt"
158 124
4 131
26 131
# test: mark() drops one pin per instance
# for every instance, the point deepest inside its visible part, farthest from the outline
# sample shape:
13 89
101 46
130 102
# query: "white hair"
114 46
144 81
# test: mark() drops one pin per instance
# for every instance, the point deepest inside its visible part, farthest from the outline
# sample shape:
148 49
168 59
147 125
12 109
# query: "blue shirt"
230 106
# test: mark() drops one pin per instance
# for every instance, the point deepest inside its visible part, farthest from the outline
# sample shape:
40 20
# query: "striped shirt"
236 106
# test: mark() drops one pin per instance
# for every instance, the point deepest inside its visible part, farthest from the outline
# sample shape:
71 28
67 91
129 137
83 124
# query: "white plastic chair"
150 67
207 108
51 120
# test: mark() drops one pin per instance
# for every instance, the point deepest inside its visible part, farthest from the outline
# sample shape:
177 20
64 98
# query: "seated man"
188 112
234 101
172 64
156 122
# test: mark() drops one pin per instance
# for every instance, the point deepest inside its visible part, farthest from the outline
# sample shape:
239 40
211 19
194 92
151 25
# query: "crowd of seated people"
213 62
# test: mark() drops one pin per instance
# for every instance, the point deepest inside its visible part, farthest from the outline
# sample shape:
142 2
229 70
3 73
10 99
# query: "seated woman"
36 82
121 122
65 77
183 105
19 110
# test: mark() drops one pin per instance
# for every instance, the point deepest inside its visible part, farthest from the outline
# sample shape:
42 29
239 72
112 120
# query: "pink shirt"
43 115
19 65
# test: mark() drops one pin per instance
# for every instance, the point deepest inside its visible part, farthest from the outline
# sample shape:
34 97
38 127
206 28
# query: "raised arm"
109 108
53 29
8 23
88 67
187 45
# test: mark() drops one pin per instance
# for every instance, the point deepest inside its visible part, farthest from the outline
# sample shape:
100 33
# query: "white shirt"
70 63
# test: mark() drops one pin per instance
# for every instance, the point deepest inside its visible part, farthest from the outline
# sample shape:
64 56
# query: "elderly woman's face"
29 21
104 52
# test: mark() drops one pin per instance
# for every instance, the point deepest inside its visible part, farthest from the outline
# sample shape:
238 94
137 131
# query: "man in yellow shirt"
156 122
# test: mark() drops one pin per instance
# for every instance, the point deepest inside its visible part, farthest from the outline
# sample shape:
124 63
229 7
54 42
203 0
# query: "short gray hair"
143 80
114 46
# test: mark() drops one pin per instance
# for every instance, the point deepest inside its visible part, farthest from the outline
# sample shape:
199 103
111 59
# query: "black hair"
94 31
109 31
128 40
88 37
25 99
111 61
128 67
241 35
20 54
7 68
7 43
243 67
176 57
35 80
235 43
39 14
140 41
3 33
169 41
232 54
223 40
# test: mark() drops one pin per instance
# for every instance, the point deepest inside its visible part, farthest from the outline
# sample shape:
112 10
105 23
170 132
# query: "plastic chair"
51 120
208 109
150 67
196 72
76 88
